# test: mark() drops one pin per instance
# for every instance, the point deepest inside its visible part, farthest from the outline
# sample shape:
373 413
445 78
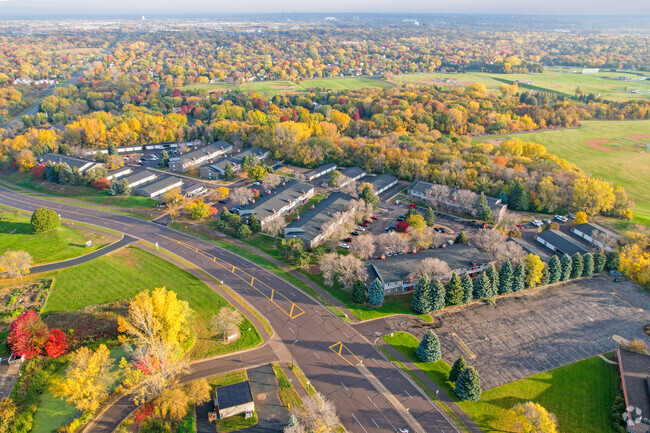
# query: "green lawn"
288 394
579 394
623 163
61 243
126 272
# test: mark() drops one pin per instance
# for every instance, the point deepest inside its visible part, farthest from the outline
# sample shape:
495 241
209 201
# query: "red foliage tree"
38 171
176 93
213 211
28 335
56 344
402 226
101 184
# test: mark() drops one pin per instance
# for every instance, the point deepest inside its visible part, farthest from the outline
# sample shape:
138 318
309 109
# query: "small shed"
233 399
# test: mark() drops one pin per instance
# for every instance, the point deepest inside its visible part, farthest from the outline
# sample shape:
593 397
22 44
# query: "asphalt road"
371 395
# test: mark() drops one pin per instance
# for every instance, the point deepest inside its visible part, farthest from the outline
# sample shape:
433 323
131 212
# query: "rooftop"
191 187
423 187
310 223
72 161
318 171
202 151
138 176
238 157
591 228
563 242
352 172
279 197
381 181
158 184
635 370
234 395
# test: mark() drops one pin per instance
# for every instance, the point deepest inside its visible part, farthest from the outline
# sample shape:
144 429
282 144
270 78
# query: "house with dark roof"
82 165
560 243
321 220
282 200
231 400
319 171
395 272
351 174
595 234
118 172
200 156
218 169
634 368
382 182
159 186
140 177
192 189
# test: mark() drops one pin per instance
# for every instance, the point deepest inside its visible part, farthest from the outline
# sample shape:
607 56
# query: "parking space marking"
342 351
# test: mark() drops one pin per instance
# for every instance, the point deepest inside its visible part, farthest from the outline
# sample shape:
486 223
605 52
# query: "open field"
614 150
61 243
579 394
126 272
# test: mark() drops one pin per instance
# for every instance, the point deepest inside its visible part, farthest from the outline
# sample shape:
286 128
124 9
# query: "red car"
364 224
367 221
412 205
347 240
374 218
520 227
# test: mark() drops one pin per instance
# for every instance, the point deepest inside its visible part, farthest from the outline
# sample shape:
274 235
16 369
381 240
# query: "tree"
402 226
317 415
519 278
15 264
243 231
505 278
254 224
518 199
28 335
468 385
56 344
593 195
7 412
226 322
173 197
483 210
43 220
376 293
197 210
613 261
534 269
565 264
545 277
112 149
240 196
599 261
368 195
344 269
50 172
172 404
359 292
416 222
334 178
493 275
164 159
554 270
363 246
124 188
257 173
437 295
461 238
228 172
101 184
482 287
430 217
429 348
531 417
581 218
454 291
87 379
457 368
432 267
422 296
468 289
577 265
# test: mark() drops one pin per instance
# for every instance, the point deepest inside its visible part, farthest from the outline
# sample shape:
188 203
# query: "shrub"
101 184
43 220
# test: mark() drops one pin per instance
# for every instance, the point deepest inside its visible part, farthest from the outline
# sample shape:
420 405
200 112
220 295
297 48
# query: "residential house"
319 171
218 169
192 189
199 157
560 243
595 234
282 200
82 165
382 182
234 399
159 186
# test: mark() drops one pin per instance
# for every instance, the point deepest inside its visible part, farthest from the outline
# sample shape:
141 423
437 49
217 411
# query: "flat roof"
352 172
310 223
381 181
158 184
279 197
635 371
202 151
234 395
138 176
457 256
562 241
318 171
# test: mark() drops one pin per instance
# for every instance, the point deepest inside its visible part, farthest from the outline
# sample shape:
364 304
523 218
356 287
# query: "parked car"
537 223
443 230
360 229
483 225
520 227
402 216
572 216
257 183
347 240
374 218
398 201
392 227
412 206
546 221
355 233
561 218
443 246
364 224
366 221
222 201
344 246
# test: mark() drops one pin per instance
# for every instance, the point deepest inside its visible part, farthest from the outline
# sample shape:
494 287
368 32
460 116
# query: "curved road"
371 395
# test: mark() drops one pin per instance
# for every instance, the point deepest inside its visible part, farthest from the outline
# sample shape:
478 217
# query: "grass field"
614 157
126 272
61 243
273 88
579 394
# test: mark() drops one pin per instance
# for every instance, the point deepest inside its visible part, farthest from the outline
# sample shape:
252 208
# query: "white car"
360 229
398 201
344 246
561 218
547 221
537 223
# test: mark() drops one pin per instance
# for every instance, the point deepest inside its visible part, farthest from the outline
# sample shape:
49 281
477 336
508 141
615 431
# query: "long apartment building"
200 156
281 201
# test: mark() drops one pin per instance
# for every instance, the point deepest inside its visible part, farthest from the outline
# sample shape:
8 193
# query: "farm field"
124 273
579 394
614 150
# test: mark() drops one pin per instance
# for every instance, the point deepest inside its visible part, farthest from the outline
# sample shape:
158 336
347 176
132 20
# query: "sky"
541 7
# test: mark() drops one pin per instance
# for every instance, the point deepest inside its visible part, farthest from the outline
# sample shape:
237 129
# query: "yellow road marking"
340 346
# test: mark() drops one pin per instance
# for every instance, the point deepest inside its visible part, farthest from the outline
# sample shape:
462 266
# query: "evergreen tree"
164 158
65 173
376 293
588 261
112 149
359 292
518 199
430 217
50 174
461 238
254 223
228 172
545 277
577 265
613 261
493 275
599 260
468 385
454 291
565 264
483 210
468 289
429 348
124 187
225 214
368 195
519 278
505 278
457 368
554 270
503 197
482 286
293 421
437 295
422 296
114 188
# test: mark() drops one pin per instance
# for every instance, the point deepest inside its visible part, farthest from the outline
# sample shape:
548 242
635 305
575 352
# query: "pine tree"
65 173
545 277
577 265
599 261
254 224
483 210
437 295
359 292
482 286
422 296
518 199
114 188
468 289
376 293
503 197
228 172
457 368
454 291
493 275
124 187
164 158
50 173
613 261
554 270
468 385
293 421
111 149
505 278
588 261
430 217
519 278
461 238
565 263
368 195
429 348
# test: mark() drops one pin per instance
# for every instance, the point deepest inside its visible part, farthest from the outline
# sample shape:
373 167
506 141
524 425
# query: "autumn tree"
241 195
317 414
531 417
56 344
226 322
534 269
593 195
344 269
15 263
28 335
581 218
432 267
363 246
257 173
197 210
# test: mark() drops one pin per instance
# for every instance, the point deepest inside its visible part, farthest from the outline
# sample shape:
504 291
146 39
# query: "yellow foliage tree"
635 264
534 269
593 195
581 218
532 417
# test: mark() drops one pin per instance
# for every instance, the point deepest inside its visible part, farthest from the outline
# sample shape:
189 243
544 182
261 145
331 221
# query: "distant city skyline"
117 7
